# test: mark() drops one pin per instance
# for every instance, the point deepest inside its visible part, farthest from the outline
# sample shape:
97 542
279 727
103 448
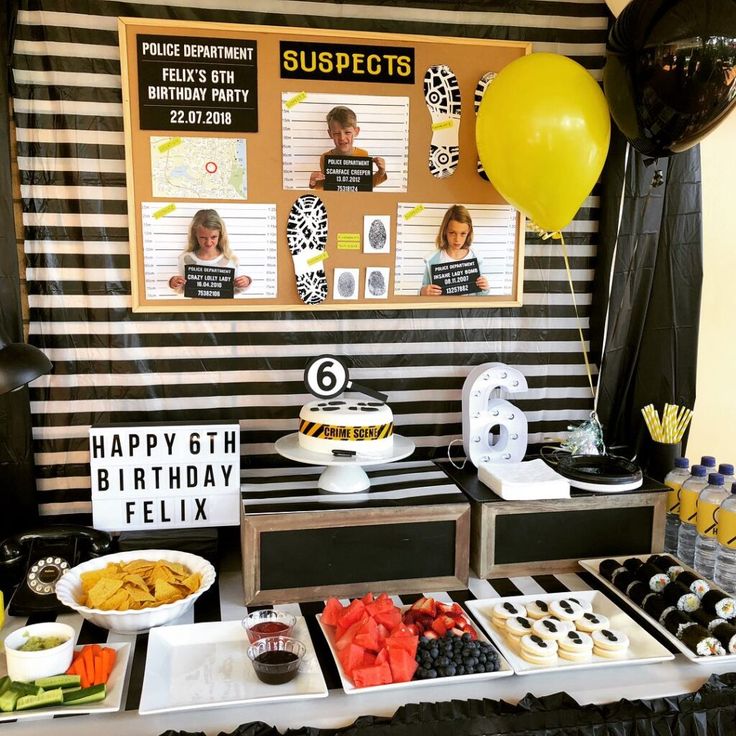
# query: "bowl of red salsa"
268 622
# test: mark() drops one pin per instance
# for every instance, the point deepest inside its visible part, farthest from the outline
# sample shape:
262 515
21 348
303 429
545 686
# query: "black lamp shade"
20 364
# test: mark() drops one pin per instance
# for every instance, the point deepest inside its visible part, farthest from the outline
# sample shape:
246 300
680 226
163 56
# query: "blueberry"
467 637
431 674
460 669
450 670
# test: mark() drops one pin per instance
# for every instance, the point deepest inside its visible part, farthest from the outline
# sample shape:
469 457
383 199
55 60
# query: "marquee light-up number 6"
483 412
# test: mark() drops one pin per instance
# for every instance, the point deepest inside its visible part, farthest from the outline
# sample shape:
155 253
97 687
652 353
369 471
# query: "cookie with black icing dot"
537 609
566 609
575 646
610 643
591 621
505 610
537 650
551 628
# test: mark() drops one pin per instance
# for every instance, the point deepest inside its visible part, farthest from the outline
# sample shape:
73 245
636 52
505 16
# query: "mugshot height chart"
494 241
384 128
251 230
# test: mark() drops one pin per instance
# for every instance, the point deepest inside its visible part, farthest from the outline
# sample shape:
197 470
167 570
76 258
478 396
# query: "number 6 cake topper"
327 376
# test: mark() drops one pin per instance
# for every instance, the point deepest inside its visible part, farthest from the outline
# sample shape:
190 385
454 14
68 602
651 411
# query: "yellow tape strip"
169 144
295 100
158 214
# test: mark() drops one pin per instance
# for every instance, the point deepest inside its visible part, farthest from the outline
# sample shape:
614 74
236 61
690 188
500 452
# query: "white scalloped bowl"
69 591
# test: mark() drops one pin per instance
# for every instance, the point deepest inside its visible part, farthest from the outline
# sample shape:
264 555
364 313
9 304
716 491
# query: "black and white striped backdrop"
111 365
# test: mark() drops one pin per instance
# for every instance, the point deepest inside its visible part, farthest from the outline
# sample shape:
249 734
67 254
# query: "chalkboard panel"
566 535
298 558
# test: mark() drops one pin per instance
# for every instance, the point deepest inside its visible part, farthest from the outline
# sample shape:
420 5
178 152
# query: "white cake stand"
342 474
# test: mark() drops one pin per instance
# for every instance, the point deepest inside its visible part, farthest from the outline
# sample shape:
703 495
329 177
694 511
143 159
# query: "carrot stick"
99 677
108 658
89 664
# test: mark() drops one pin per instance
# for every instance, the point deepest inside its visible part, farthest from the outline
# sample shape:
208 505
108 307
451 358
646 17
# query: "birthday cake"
361 427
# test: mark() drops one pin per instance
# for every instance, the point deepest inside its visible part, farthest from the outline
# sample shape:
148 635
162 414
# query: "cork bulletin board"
233 119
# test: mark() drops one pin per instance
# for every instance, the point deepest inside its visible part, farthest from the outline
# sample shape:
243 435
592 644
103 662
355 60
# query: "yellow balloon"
542 133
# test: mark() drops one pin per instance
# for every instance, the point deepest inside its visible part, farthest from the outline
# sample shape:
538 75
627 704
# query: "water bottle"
726 470
689 492
725 570
709 463
674 479
706 523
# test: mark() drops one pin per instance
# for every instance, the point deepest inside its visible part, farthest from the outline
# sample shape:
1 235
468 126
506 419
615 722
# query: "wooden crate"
536 537
409 534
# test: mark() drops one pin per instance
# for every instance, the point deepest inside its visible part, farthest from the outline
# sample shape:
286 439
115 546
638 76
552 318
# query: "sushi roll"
623 580
708 620
638 591
656 606
676 622
633 564
610 568
726 634
667 565
701 641
698 586
714 601
681 597
652 576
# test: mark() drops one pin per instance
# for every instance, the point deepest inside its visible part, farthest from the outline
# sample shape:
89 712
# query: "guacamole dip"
37 643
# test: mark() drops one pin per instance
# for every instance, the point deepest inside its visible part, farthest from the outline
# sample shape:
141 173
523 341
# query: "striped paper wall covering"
111 365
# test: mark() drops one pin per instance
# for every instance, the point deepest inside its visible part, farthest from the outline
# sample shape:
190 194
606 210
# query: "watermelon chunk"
378 674
390 618
347 636
367 598
367 634
351 657
354 612
408 643
332 612
402 664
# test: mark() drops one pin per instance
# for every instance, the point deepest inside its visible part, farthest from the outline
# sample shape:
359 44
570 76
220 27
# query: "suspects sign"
456 277
165 476
205 84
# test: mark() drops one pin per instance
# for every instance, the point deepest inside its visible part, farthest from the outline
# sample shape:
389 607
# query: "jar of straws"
665 438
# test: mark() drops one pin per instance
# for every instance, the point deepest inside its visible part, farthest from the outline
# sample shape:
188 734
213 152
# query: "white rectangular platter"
111 703
196 666
643 648
350 689
592 567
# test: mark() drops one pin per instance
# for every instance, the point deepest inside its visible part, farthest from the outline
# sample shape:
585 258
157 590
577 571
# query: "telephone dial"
39 557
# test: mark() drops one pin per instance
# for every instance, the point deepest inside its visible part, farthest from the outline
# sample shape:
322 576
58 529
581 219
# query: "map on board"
198 168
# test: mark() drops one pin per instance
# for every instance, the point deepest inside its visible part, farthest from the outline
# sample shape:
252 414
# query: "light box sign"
165 476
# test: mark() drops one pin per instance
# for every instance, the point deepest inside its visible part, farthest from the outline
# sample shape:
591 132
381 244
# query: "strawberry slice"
426 606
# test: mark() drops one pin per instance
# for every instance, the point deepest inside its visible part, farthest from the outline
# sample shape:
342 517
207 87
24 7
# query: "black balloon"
670 74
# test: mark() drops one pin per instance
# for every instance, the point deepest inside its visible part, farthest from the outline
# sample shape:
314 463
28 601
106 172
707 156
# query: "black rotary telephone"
37 558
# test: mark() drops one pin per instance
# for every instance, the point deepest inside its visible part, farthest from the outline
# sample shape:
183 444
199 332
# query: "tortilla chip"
137 584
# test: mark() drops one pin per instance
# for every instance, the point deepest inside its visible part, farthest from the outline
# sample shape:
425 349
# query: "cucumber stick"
91 694
63 681
47 697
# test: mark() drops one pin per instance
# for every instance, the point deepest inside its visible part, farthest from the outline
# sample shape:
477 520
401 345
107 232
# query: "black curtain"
16 455
650 353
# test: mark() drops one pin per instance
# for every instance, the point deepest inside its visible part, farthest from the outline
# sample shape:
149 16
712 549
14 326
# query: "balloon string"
557 235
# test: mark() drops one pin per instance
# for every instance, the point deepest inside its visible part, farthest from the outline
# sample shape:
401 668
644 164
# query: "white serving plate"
592 567
195 666
111 703
643 648
350 689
